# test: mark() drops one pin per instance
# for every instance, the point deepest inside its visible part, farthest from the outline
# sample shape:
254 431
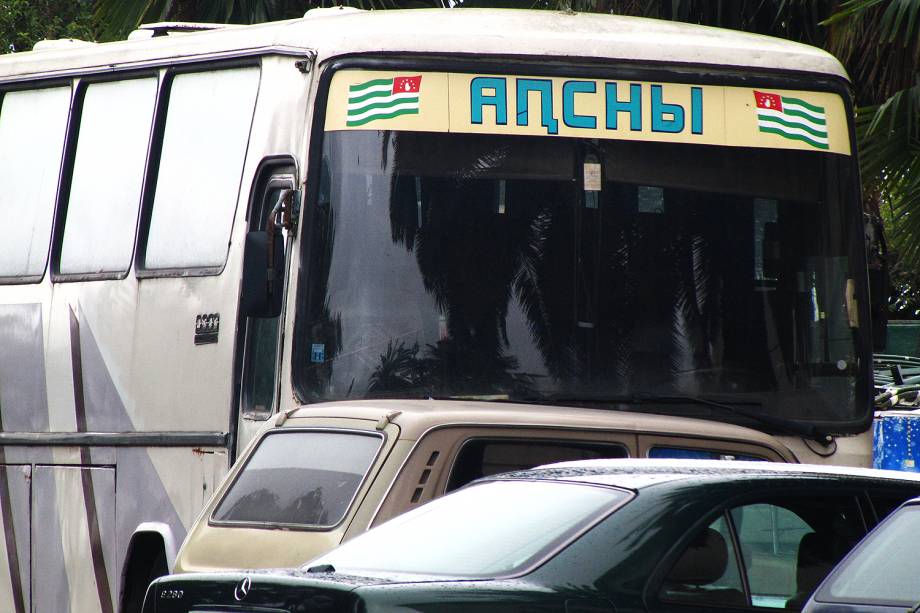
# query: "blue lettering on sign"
633 106
571 119
489 91
545 88
665 117
696 110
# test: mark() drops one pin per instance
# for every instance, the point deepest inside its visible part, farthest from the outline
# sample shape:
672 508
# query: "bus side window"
33 124
198 170
261 297
105 189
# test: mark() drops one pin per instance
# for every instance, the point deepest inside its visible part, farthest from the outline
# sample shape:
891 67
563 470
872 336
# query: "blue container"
896 440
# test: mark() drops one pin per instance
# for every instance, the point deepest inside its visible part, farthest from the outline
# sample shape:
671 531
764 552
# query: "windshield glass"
883 569
533 267
299 478
486 530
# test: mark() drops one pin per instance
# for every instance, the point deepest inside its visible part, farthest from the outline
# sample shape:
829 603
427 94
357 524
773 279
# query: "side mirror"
263 263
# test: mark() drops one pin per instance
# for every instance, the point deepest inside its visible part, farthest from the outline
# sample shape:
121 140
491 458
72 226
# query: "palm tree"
879 41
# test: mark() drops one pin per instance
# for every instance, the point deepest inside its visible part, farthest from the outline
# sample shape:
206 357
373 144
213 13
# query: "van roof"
470 32
415 417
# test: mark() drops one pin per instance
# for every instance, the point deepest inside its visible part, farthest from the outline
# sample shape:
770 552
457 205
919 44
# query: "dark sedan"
595 536
882 574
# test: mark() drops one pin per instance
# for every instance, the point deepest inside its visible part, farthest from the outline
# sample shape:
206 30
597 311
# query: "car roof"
467 32
640 473
415 417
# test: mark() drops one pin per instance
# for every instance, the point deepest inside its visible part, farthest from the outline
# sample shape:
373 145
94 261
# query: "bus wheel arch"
151 554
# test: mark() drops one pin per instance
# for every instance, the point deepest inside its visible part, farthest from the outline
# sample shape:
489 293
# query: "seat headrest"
815 560
704 561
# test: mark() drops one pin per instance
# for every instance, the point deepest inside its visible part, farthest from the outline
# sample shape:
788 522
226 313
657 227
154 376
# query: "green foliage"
115 19
879 42
25 22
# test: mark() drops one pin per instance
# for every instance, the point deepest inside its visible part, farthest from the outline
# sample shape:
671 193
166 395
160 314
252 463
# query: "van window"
484 457
200 168
301 478
108 174
33 124
698 454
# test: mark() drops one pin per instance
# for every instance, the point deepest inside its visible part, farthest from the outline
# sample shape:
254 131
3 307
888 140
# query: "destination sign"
588 108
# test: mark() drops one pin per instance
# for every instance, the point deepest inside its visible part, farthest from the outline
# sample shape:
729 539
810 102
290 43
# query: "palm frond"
115 19
879 43
889 147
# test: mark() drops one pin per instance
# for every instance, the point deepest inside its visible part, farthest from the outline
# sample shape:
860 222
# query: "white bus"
201 229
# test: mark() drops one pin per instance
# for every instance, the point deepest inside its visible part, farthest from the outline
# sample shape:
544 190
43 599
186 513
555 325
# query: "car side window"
789 545
884 503
785 547
707 573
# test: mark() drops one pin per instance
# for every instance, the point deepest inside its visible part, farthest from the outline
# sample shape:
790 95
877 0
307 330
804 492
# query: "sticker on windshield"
318 353
791 118
587 108
378 99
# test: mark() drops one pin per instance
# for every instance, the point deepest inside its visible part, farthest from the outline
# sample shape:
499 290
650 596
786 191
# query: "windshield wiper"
321 568
782 424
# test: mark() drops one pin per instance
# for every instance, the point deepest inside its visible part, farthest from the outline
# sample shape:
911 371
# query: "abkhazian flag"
383 99
791 118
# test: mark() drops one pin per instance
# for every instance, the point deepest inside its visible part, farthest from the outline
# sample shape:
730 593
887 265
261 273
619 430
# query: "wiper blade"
321 568
780 423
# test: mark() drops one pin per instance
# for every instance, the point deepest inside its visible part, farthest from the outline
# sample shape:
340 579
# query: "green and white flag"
382 99
791 118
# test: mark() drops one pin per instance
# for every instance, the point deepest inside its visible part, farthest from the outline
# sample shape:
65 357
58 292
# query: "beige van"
318 475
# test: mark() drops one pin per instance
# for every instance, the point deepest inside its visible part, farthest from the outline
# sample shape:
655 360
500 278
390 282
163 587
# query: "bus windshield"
503 267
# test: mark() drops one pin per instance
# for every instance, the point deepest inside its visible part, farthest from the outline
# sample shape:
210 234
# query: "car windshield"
883 569
486 530
521 267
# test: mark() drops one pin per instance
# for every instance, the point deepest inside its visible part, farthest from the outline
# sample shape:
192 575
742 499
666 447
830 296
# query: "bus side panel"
163 486
179 384
23 395
76 500
168 485
15 554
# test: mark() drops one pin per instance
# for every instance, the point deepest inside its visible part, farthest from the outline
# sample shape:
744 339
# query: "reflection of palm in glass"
498 274
251 506
262 504
472 259
307 509
289 496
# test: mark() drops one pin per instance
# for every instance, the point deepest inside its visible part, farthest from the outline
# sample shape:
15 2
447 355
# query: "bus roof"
476 32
